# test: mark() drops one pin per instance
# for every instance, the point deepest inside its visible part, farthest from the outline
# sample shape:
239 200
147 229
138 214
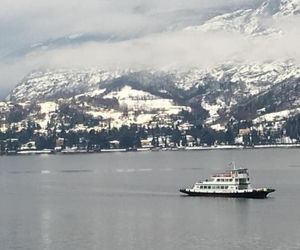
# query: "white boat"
232 183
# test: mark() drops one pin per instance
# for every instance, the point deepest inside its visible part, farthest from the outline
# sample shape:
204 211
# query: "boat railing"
222 175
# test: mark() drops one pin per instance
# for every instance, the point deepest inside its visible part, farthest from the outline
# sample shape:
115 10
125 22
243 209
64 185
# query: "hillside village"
71 128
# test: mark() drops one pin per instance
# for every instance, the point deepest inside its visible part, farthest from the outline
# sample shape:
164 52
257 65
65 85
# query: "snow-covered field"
276 116
133 99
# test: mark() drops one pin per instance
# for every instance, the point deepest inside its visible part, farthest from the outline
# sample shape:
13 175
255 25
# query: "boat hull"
254 194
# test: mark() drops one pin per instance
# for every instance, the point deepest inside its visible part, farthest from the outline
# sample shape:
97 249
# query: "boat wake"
133 170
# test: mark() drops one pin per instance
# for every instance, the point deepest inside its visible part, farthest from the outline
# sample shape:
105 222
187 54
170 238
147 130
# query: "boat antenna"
232 164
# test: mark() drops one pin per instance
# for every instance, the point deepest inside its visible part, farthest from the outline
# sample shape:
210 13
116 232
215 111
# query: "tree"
99 138
17 114
184 140
229 136
208 137
44 142
176 136
126 137
254 137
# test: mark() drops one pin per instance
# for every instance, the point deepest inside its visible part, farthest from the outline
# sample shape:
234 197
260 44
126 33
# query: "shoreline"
123 150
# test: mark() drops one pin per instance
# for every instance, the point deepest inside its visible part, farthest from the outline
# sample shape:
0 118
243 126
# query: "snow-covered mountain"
60 83
221 91
239 89
254 22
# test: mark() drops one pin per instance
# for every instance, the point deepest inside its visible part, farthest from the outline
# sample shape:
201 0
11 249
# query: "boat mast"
232 164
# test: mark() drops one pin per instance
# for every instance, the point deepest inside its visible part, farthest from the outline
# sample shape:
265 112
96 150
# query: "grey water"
131 201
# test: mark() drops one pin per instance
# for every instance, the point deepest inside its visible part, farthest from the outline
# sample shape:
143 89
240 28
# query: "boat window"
243 181
226 187
218 179
222 187
217 187
201 187
204 187
208 187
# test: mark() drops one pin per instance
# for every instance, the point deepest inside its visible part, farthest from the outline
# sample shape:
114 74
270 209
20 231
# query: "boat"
232 183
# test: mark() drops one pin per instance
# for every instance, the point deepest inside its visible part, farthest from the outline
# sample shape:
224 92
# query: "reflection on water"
71 171
131 201
45 220
294 166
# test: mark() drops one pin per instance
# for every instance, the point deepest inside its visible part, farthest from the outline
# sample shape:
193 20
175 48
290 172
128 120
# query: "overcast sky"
113 33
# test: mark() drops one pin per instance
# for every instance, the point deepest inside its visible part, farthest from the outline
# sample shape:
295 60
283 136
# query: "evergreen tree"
126 137
208 137
229 136
176 137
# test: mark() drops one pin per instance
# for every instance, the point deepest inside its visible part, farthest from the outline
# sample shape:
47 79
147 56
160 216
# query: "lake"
131 201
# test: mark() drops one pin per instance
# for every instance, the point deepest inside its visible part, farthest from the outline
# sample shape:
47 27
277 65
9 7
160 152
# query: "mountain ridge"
243 90
252 22
219 90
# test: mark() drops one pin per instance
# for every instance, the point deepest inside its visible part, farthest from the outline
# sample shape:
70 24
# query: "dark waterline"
131 201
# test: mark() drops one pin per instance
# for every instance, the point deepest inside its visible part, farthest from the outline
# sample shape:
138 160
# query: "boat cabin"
236 179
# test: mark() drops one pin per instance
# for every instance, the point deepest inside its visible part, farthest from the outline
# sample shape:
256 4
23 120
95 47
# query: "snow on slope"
289 8
227 86
68 83
254 22
255 77
47 108
213 109
136 107
64 83
223 86
258 78
117 118
140 100
276 116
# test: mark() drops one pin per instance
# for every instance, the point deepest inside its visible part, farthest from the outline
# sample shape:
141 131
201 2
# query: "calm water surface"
131 201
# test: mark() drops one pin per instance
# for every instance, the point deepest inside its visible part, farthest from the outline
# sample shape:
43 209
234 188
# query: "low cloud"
36 21
173 49
180 49
161 44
